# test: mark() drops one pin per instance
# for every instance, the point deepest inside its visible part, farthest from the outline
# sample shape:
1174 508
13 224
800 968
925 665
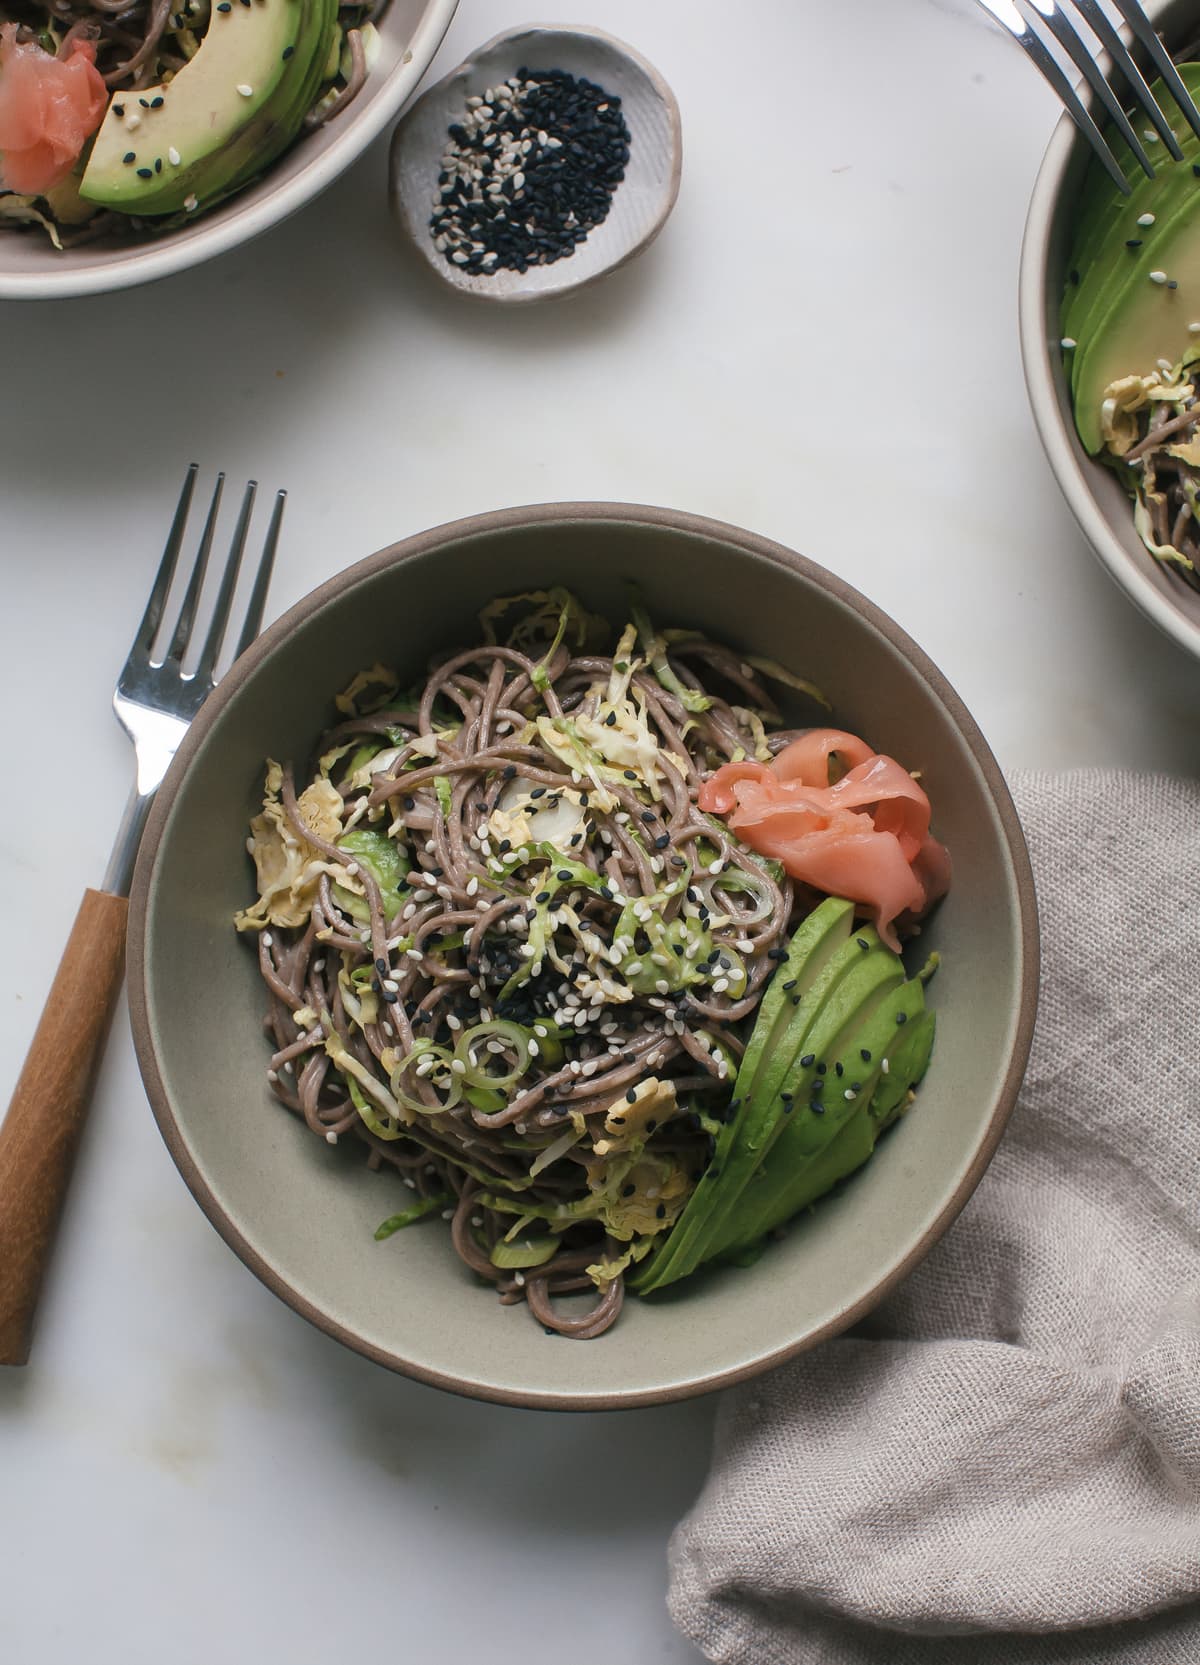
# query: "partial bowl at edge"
1092 491
410 33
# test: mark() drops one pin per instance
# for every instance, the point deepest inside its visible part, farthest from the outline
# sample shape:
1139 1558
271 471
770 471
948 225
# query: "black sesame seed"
287 52
381 967
808 1059
390 996
158 164
661 842
817 1108
864 1054
563 876
837 1068
776 953
631 1094
129 156
901 1017
1133 242
651 1125
508 772
611 719
648 816
821 1068
628 1190
409 803
542 896
145 173
144 102
862 942
660 1213
156 103
118 109
791 983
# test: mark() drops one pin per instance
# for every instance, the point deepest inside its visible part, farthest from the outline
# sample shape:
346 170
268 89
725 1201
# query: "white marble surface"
188 1471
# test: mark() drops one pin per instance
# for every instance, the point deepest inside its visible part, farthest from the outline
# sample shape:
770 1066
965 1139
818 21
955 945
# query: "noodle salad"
521 940
132 117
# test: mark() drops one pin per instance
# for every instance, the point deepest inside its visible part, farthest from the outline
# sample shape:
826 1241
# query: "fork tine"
1097 20
1077 50
262 579
224 601
148 629
1140 24
1009 18
191 599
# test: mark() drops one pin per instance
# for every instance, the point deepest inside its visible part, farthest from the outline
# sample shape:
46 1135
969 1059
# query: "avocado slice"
1124 321
859 974
222 118
814 1152
812 963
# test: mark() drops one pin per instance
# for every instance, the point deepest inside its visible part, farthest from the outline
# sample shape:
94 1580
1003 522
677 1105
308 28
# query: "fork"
1056 17
154 701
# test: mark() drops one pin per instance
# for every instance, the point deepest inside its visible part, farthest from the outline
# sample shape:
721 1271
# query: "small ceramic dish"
1093 492
641 202
302 1215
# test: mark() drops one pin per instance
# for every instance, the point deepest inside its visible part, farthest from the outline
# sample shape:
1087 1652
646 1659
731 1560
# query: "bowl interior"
410 33
1096 498
302 1214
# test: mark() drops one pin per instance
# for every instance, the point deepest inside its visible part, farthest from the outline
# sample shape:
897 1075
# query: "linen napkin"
1002 1466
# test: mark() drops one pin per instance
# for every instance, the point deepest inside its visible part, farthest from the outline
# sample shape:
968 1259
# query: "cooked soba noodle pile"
506 951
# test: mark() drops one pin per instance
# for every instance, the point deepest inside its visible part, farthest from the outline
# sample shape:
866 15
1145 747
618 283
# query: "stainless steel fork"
1055 17
155 700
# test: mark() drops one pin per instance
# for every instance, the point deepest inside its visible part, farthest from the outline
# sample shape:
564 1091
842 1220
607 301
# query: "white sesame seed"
519 1279
1145 219
1158 277
1068 343
884 1066
272 1075
245 90
173 156
662 986
414 954
457 1065
472 885
191 203
331 1137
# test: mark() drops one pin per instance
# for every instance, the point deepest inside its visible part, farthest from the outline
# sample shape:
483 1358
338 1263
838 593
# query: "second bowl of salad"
583 955
1110 337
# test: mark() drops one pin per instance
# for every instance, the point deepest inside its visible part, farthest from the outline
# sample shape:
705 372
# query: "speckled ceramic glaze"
641 202
301 1214
1096 499
410 33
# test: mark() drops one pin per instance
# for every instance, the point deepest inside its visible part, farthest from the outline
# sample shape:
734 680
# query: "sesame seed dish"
131 118
598 955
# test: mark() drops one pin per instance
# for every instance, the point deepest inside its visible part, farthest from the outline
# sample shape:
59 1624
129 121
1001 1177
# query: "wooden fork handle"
40 1134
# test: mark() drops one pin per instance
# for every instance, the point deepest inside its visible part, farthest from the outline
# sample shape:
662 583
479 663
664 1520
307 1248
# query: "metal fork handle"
37 1154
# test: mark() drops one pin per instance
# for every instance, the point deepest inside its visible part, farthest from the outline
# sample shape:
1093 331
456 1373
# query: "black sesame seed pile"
528 172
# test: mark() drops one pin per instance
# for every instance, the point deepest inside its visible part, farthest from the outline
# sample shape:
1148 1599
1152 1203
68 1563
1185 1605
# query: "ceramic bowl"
1096 499
641 202
301 1214
410 33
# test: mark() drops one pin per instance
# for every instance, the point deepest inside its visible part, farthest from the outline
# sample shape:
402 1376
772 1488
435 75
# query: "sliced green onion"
530 1251
473 1053
440 1079
410 1216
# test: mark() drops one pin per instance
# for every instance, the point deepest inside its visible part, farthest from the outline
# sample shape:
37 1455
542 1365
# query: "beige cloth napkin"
1002 1466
